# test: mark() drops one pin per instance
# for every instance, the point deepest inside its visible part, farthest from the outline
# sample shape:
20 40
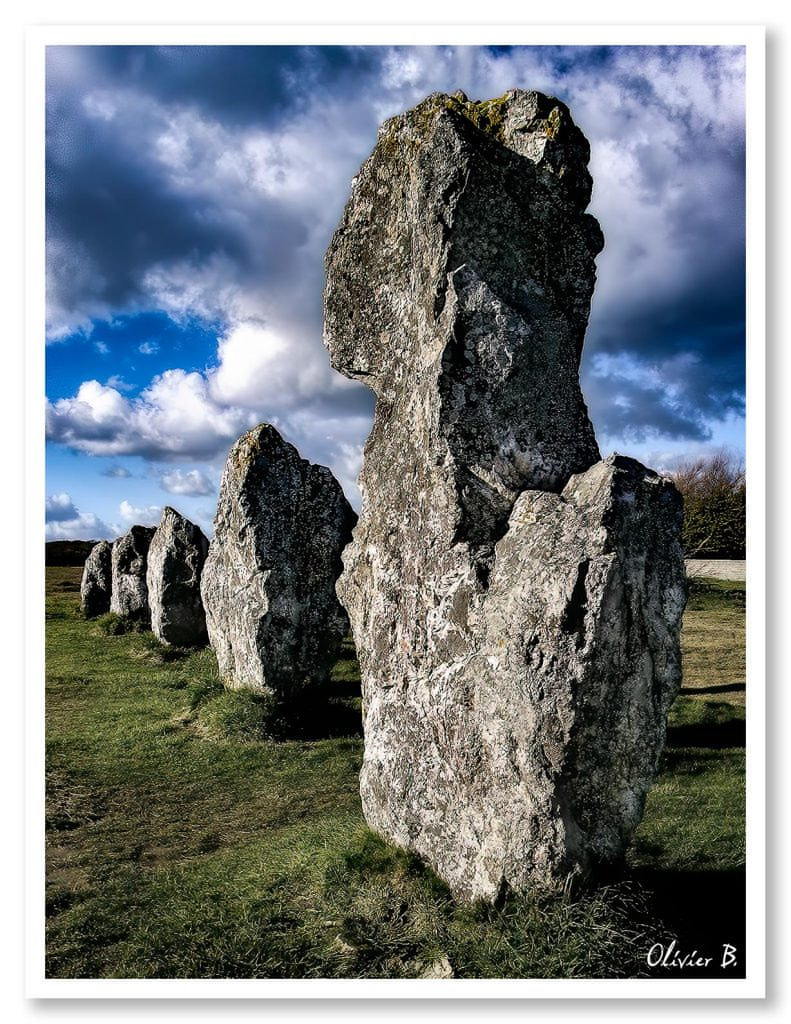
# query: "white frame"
752 37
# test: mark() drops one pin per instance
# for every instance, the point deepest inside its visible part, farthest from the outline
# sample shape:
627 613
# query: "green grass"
193 833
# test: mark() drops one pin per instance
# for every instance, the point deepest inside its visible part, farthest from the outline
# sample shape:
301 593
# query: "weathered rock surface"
515 602
175 562
97 580
268 584
129 561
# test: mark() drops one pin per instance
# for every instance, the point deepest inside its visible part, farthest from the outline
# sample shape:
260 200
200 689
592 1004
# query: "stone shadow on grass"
714 735
697 691
320 715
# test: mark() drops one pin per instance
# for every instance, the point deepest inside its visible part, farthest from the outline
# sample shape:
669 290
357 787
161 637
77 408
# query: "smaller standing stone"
175 563
129 560
268 586
97 580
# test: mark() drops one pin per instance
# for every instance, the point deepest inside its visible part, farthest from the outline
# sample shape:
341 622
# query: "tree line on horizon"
714 489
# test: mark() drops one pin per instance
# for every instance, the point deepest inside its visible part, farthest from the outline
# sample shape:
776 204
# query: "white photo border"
753 39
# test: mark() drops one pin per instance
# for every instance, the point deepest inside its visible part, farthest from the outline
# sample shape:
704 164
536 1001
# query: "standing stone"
175 562
97 580
268 585
129 561
515 602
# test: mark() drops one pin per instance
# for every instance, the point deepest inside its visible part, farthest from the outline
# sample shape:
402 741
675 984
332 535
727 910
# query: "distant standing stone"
268 585
175 562
97 580
129 560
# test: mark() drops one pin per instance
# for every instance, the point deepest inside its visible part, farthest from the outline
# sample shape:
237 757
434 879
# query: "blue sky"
192 193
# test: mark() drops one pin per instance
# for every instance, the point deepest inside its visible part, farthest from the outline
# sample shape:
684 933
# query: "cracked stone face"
175 562
97 580
515 601
268 584
129 564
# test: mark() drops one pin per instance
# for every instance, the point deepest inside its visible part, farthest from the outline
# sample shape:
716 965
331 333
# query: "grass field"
186 837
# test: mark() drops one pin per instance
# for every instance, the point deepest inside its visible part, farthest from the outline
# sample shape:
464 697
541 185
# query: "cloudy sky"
192 193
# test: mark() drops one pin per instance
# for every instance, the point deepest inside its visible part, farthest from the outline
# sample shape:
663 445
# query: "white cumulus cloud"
192 482
259 369
175 416
259 377
64 521
148 515
59 507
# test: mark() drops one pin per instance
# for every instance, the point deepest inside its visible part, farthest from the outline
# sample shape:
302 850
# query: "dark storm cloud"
671 293
633 403
702 317
121 212
237 84
116 209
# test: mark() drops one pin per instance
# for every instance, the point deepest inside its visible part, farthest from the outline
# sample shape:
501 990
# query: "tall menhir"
515 601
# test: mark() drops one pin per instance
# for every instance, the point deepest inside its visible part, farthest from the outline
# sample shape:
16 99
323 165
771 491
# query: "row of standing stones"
152 575
262 592
515 601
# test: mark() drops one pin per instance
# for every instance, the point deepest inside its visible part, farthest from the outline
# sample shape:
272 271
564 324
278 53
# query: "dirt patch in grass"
69 804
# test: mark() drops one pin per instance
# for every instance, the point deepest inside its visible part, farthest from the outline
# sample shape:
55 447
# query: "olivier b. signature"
672 957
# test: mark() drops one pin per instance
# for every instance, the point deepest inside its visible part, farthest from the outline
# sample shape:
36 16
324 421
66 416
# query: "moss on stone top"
518 120
487 115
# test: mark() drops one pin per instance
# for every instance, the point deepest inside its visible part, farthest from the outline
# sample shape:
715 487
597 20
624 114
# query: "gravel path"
717 568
